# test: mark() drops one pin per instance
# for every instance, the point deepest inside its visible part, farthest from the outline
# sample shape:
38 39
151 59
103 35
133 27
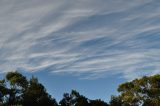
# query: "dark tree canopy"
75 99
17 90
116 101
98 102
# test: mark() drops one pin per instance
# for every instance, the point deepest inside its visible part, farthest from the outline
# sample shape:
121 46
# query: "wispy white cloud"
88 38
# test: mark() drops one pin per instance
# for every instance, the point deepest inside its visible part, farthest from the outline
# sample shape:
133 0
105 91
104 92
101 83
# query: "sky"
88 45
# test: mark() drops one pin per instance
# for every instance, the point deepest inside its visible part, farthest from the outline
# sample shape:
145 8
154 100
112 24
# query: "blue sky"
88 45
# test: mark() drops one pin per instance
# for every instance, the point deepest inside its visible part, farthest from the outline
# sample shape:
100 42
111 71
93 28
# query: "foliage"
116 101
17 90
98 102
75 99
144 91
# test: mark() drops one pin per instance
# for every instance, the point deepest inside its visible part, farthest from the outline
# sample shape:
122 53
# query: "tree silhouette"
15 89
35 94
98 102
75 99
17 85
116 101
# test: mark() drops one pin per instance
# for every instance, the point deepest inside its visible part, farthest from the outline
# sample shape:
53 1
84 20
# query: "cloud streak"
91 39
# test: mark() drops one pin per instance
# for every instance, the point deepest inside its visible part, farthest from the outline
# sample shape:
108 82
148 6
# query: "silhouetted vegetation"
17 90
75 99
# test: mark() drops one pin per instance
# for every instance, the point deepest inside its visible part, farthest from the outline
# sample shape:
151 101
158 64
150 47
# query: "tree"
115 101
144 91
3 92
97 102
73 99
36 94
15 89
80 100
17 85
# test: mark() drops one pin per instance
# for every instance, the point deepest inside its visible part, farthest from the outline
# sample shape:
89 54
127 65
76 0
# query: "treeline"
17 90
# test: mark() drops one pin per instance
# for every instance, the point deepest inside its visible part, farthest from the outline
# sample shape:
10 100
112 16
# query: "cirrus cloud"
88 38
